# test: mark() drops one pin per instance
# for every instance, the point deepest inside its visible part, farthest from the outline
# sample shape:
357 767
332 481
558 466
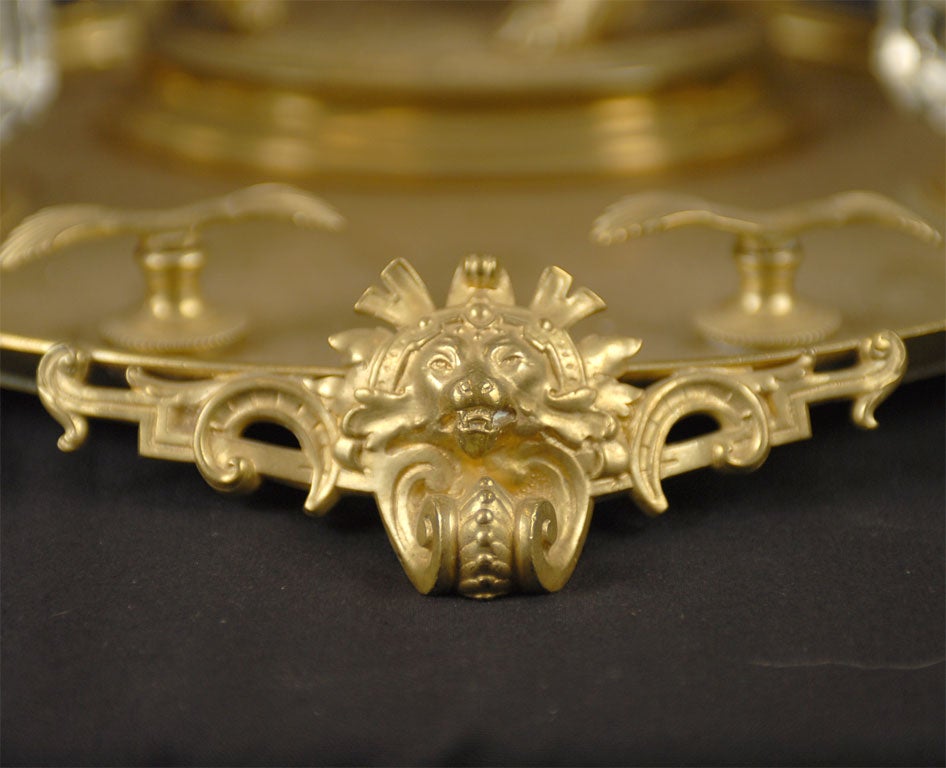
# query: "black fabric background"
790 616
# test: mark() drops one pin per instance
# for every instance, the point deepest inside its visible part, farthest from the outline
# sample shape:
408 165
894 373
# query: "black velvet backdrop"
794 615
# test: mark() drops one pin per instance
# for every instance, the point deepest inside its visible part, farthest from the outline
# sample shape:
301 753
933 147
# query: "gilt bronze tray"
483 423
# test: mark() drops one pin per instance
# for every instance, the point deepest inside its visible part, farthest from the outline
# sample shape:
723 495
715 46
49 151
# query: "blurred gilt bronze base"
432 90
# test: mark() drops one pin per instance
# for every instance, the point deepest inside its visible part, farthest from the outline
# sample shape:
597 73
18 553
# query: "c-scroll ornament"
482 428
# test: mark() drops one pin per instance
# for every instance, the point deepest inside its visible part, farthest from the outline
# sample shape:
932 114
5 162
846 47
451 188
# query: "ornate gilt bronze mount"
483 429
767 313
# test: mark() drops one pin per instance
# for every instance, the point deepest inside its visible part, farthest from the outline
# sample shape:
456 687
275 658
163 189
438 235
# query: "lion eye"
511 360
441 364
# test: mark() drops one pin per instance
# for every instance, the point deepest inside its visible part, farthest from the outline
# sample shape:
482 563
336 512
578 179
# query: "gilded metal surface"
295 291
174 316
102 34
561 24
492 429
482 428
767 313
826 33
333 92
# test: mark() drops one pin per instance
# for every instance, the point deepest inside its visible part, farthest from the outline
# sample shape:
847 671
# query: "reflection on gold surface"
101 34
298 134
832 33
333 91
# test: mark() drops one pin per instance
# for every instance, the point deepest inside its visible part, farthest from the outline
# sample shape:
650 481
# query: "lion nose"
475 389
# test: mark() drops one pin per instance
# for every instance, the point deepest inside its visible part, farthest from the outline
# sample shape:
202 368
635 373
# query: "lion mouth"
483 419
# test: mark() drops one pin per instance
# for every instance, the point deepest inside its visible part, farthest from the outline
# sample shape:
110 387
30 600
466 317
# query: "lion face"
479 371
480 425
483 383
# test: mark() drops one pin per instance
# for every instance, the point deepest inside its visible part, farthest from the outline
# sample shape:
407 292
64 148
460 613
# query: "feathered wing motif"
653 212
59 226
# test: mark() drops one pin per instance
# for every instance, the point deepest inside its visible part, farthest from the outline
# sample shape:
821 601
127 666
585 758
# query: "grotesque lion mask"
482 421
